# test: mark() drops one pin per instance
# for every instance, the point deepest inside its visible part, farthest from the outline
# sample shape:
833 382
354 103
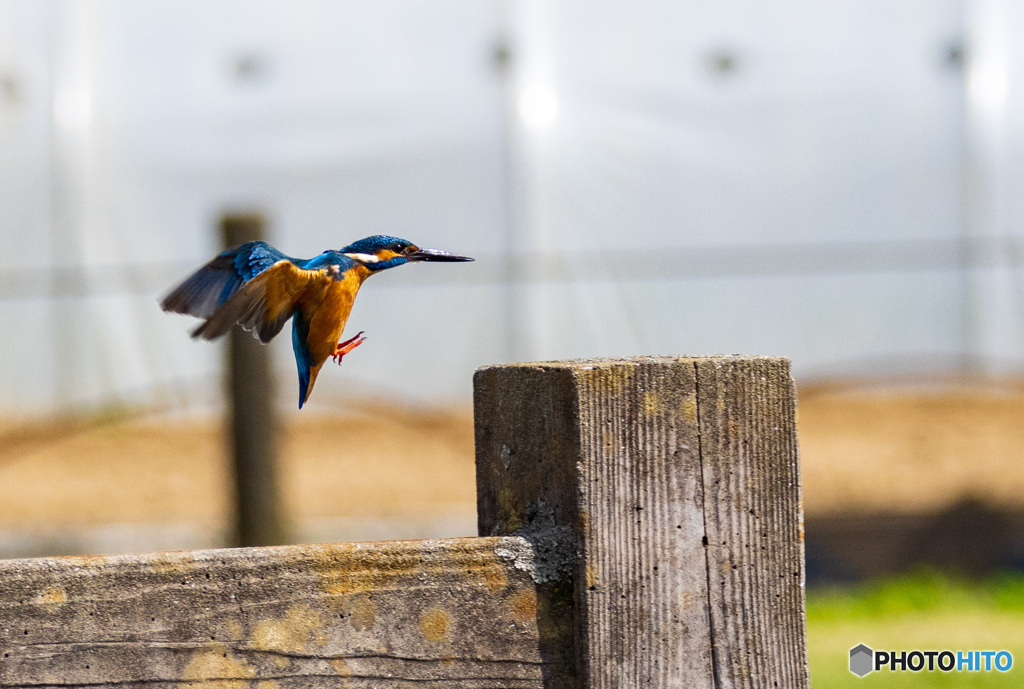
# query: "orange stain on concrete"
434 624
52 599
216 669
524 606
690 409
495 578
362 611
290 634
651 403
346 568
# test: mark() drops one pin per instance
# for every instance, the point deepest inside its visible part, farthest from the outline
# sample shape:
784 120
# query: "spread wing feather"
215 283
266 302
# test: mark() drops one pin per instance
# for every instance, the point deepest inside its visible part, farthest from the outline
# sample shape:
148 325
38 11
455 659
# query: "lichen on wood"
438 613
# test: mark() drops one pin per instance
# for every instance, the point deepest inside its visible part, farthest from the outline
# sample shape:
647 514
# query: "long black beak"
435 255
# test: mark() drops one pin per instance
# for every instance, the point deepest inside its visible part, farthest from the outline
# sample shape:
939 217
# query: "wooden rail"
641 527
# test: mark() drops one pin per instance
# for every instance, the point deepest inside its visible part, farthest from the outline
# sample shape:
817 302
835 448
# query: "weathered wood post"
253 422
662 499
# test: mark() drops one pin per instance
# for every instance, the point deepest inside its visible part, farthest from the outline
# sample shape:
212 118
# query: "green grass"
924 611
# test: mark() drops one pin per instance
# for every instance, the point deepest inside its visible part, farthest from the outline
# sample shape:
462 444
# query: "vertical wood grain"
665 493
754 519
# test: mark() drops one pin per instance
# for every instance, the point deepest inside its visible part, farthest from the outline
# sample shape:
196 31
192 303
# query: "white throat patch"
365 258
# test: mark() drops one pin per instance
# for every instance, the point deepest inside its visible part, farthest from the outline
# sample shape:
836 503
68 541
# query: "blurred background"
836 182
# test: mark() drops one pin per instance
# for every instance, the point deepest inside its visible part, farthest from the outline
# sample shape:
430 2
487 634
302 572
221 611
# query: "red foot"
347 346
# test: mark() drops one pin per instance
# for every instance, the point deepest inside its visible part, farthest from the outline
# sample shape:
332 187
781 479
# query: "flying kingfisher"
259 288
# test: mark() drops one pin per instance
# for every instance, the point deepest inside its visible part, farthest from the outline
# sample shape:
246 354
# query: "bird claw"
347 346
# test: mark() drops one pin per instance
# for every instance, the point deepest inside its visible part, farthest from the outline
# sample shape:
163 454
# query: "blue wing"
266 302
216 282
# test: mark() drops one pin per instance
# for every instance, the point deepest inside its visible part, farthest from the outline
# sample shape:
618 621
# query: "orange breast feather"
328 314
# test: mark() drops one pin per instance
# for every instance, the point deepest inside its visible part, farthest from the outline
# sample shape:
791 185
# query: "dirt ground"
911 449
863 447
381 462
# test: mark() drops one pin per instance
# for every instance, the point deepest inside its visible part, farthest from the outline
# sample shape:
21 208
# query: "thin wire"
826 258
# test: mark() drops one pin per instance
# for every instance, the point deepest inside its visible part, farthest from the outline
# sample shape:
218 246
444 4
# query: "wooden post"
253 432
662 499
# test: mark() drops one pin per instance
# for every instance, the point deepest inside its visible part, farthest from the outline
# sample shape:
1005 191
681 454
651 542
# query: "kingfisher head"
381 252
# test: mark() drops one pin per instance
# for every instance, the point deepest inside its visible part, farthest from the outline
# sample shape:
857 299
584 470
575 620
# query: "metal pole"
253 429
503 56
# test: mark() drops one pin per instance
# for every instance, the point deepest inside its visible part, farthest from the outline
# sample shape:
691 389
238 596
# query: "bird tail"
307 377
308 369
